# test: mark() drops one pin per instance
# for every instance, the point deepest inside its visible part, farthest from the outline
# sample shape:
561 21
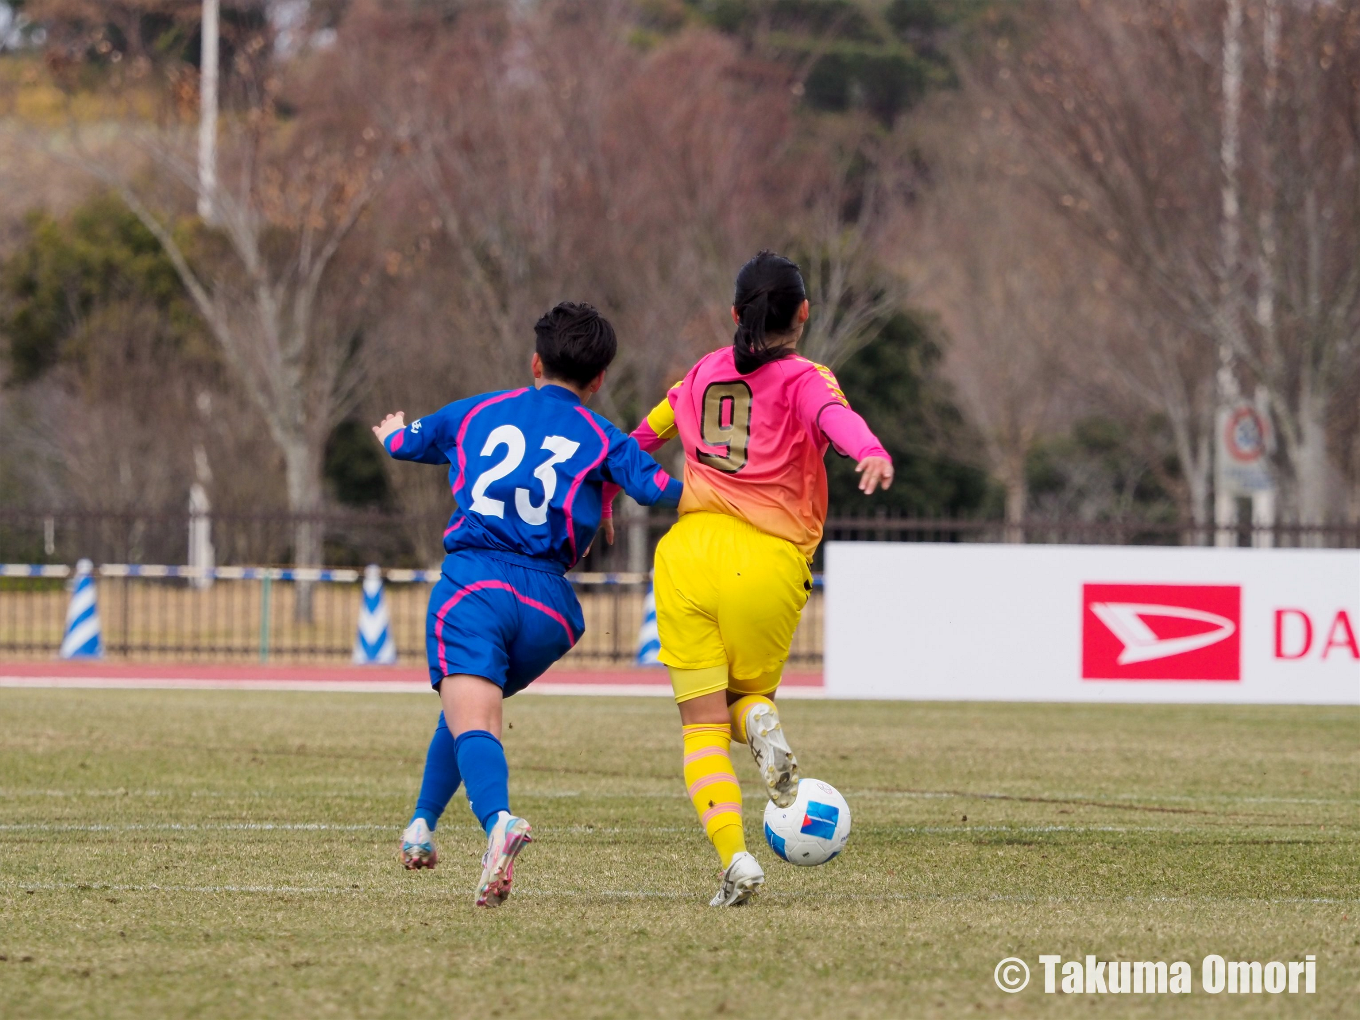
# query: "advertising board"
1092 623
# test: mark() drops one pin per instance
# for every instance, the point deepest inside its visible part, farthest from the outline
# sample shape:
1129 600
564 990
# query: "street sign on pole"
1243 450
1242 473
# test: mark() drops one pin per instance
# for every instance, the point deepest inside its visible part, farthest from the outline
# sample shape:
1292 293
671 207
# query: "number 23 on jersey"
559 449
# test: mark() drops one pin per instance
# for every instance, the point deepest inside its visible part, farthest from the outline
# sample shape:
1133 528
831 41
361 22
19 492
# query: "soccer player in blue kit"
526 467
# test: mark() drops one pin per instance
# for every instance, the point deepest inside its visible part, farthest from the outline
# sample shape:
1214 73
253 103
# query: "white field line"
394 829
189 684
602 830
156 887
441 891
607 690
1108 798
263 801
649 690
932 898
1090 799
305 792
1229 798
207 827
347 686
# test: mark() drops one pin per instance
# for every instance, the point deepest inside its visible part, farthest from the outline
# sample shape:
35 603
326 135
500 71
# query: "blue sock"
441 776
486 776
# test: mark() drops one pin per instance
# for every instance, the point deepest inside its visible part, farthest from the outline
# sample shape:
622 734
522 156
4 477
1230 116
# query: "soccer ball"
813 829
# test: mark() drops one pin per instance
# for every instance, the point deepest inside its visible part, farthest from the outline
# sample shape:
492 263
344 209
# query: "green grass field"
205 854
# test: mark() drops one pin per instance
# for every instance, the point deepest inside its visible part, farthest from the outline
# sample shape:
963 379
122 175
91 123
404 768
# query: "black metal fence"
255 619
244 619
408 540
137 535
884 528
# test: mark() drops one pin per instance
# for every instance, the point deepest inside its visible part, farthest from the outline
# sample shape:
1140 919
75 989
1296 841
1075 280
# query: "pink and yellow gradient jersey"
754 444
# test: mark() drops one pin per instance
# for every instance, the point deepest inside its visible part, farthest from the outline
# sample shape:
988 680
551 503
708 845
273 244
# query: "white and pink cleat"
508 837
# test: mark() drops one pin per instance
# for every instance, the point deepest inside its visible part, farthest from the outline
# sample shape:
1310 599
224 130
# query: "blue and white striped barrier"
402 575
340 575
649 641
333 575
373 644
83 639
34 570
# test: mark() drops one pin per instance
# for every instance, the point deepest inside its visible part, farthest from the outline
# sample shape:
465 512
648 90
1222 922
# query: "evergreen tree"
896 385
854 54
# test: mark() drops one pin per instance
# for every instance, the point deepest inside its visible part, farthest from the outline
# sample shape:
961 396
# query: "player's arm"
820 404
659 426
655 431
632 470
426 440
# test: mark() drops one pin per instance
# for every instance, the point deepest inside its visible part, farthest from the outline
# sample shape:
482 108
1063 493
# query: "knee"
707 709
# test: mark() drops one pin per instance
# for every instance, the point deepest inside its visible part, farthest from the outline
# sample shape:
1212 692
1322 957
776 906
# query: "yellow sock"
729 841
737 711
713 786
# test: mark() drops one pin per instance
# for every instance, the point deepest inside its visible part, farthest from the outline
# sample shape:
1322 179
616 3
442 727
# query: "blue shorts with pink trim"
495 617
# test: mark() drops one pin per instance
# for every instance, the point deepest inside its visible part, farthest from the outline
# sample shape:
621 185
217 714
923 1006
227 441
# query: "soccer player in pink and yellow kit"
732 576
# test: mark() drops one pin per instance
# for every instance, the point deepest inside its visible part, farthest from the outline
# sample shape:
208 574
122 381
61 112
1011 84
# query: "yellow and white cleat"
740 882
770 748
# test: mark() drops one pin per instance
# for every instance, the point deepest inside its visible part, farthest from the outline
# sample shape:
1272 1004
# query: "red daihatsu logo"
1161 632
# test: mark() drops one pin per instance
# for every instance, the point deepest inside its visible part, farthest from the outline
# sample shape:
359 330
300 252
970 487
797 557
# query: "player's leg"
473 704
473 617
441 777
760 604
437 787
713 789
550 623
709 777
691 648
755 722
536 621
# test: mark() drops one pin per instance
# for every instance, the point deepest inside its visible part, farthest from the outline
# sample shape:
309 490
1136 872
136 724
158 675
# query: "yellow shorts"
727 594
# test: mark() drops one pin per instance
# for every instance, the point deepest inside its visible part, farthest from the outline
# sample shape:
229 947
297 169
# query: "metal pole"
264 617
635 519
1226 390
127 594
207 112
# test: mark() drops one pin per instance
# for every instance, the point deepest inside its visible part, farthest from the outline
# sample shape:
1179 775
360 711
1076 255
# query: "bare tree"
988 261
1171 372
1212 149
275 282
562 161
558 161
852 220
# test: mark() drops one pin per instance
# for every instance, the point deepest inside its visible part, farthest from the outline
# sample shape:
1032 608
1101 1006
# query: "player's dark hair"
768 293
575 342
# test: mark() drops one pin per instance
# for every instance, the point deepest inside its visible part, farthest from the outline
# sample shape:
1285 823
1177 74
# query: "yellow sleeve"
662 417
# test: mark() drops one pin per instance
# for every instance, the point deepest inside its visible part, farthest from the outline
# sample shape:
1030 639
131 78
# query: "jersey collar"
559 393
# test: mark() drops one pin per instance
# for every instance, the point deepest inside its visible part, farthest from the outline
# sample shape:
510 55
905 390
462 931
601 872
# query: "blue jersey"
526 467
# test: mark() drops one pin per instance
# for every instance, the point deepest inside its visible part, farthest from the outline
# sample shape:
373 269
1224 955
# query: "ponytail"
769 292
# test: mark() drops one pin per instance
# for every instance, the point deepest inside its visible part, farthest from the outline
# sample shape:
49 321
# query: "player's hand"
872 471
607 526
392 423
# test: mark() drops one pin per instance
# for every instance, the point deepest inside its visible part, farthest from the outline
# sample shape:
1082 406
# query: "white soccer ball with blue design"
813 829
